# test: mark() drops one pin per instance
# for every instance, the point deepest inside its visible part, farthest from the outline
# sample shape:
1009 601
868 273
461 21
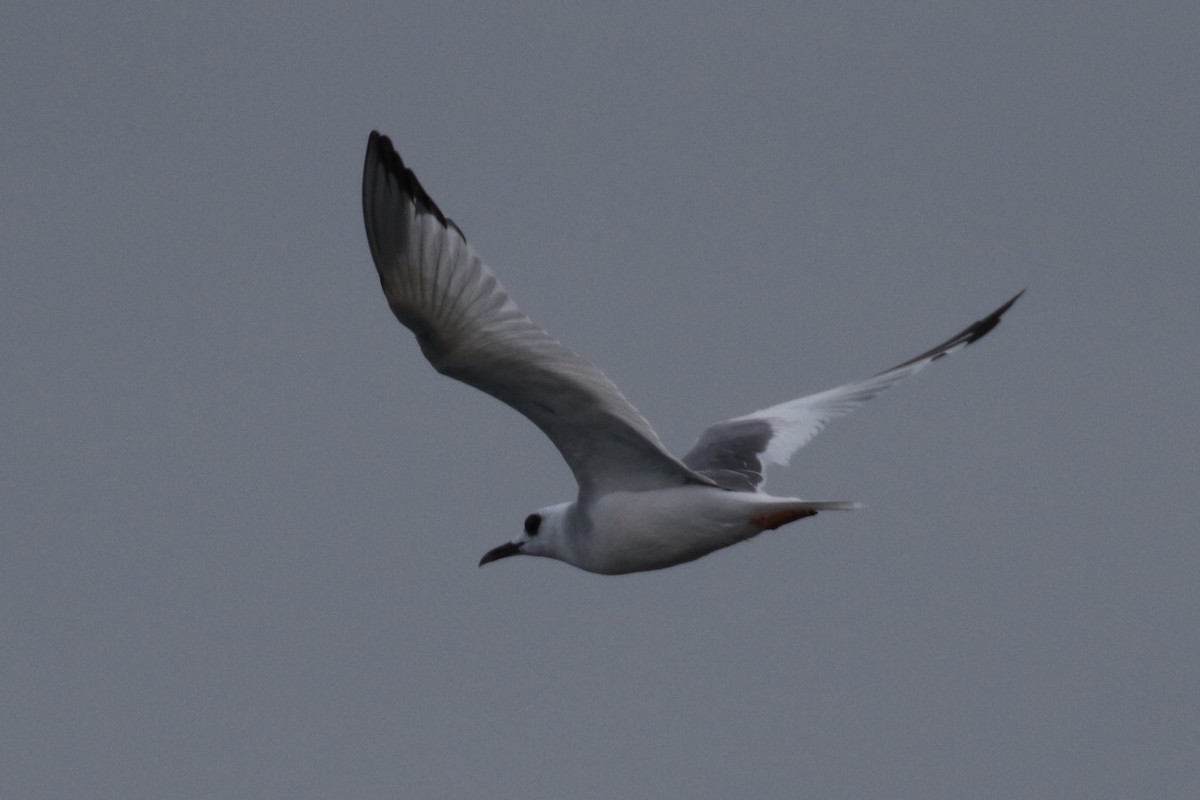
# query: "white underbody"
635 531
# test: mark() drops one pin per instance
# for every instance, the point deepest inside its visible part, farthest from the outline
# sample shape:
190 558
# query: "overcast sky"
241 515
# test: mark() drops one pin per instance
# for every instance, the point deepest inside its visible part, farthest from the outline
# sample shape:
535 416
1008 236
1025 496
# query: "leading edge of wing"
735 452
469 329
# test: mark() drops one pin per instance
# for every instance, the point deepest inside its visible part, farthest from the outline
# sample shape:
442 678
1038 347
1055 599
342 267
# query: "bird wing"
734 453
469 329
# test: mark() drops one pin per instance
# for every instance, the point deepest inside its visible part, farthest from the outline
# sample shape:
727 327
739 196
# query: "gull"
638 507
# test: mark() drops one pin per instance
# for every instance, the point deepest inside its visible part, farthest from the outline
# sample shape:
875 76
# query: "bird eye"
532 523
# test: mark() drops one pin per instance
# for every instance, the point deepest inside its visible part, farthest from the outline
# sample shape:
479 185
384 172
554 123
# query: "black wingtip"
381 150
984 326
969 335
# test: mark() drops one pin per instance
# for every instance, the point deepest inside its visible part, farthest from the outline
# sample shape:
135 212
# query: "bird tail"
792 510
830 505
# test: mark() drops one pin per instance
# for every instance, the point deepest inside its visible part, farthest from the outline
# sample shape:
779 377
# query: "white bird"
638 507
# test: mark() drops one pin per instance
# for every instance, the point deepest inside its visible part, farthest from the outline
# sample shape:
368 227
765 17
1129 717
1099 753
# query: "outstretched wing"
471 330
734 453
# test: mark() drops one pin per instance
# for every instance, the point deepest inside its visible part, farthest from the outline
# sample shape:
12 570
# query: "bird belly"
638 531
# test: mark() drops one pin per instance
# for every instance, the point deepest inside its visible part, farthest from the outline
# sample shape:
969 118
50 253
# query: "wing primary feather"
735 452
972 333
470 329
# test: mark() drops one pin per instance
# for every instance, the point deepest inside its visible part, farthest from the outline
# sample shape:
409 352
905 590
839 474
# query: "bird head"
544 534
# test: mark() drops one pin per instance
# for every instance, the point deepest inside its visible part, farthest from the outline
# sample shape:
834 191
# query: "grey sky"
241 515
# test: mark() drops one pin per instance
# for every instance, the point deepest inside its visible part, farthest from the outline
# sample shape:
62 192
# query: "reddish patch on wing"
775 519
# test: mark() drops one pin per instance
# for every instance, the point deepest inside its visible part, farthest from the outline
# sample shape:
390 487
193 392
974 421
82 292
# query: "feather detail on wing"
470 329
734 453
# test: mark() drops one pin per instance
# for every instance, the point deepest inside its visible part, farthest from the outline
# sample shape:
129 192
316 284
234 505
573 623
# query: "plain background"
241 516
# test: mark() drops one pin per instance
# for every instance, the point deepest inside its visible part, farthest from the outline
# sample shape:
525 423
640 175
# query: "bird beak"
503 551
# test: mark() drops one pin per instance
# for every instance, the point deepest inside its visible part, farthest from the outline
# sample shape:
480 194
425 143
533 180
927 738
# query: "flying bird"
638 507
